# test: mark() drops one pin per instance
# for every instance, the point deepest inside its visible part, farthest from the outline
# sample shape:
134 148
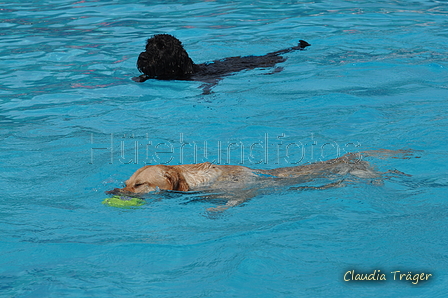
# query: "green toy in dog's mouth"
123 201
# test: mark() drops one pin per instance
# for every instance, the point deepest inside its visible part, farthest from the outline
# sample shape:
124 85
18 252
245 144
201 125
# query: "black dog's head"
165 58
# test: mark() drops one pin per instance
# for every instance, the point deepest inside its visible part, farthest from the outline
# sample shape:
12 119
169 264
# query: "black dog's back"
226 66
166 59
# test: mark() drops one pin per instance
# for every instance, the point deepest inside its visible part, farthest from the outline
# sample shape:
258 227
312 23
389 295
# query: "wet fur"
227 178
165 59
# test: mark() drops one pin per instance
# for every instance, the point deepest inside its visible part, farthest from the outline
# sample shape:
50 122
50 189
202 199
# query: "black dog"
166 59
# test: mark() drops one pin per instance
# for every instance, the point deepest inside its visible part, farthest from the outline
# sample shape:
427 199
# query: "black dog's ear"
176 180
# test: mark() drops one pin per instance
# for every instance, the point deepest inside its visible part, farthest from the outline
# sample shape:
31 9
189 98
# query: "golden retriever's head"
149 178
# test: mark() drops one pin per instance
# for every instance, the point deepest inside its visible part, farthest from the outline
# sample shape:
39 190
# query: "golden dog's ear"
182 185
176 180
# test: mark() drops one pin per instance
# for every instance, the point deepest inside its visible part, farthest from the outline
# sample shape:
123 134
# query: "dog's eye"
138 184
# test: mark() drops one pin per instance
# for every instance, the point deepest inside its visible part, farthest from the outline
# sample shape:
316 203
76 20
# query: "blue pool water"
74 124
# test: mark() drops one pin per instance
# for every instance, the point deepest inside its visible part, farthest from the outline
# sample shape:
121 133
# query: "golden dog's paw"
229 204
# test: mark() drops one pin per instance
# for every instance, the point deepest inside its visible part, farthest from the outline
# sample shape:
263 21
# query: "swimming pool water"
73 124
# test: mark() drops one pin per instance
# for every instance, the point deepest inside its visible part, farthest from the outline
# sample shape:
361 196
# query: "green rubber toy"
123 202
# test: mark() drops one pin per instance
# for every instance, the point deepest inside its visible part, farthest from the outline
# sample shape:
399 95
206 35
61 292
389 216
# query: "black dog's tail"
302 45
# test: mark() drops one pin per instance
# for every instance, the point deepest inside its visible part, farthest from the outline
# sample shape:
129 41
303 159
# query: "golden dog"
209 176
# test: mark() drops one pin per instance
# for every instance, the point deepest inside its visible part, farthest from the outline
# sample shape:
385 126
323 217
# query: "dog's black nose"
114 191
